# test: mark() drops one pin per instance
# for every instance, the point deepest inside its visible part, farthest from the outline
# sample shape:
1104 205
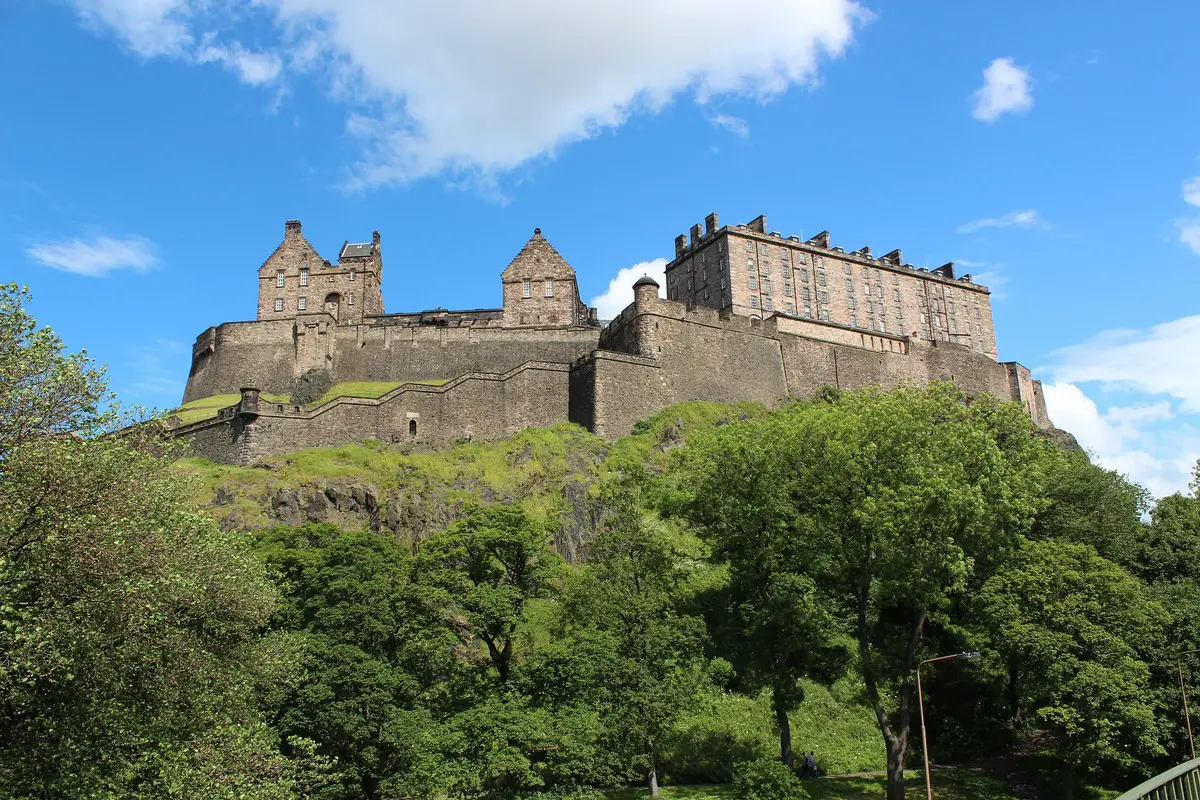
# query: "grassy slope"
207 407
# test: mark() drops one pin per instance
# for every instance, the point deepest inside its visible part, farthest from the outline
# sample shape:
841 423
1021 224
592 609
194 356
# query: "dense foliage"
680 605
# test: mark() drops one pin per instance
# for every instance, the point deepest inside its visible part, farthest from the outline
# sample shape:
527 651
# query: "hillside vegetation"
554 617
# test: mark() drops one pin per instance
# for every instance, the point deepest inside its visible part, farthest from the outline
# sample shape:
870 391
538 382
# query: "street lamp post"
1183 689
921 706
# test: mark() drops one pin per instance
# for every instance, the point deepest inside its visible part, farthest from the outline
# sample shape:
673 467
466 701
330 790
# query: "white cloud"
735 125
96 257
1153 434
1024 218
620 289
1191 191
1127 439
481 88
1161 360
158 28
1189 233
1006 88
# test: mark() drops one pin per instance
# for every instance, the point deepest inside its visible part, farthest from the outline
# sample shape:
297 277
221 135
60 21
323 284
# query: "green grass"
948 784
207 407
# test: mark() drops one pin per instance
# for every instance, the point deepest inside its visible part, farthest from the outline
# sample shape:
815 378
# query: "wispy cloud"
1189 227
1026 218
735 125
620 289
1153 431
98 256
474 90
996 282
1006 89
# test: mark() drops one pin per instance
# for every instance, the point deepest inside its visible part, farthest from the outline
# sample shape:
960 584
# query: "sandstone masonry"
748 316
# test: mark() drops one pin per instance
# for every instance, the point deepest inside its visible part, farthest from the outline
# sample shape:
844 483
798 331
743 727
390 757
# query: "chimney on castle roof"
695 231
945 270
375 238
820 240
291 229
895 257
758 224
680 245
865 251
710 224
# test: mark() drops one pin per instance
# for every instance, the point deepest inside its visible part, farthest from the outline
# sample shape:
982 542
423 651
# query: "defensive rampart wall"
270 355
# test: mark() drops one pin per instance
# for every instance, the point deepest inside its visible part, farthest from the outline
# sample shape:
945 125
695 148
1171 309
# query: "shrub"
766 779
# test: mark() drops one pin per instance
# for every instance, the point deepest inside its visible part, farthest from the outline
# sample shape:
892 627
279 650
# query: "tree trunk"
895 767
652 776
785 732
1068 775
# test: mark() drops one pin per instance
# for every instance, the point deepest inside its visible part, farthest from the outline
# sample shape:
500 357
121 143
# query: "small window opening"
412 427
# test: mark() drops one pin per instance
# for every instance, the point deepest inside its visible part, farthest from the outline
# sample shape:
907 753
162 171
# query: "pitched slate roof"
350 250
538 259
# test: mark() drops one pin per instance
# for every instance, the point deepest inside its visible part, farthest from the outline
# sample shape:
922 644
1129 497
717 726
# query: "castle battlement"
543 358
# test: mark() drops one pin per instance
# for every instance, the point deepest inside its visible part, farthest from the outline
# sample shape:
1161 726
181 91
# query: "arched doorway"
333 305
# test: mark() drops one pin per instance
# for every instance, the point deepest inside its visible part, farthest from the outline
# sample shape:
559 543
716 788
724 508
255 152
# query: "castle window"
824 298
854 320
754 301
808 310
527 289
279 278
350 299
922 319
896 294
849 285
753 282
412 427
279 304
804 276
302 303
787 288
820 279
723 286
825 315
549 287
767 304
846 268
351 274
766 284
304 277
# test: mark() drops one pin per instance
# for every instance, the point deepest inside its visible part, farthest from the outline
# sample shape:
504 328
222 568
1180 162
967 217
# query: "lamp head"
971 656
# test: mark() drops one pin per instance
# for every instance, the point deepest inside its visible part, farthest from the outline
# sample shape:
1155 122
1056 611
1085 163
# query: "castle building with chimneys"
748 315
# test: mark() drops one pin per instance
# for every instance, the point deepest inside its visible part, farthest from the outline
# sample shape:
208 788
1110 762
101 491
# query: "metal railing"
1180 783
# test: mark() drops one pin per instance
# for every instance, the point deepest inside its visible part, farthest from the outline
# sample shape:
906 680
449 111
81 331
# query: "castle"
748 315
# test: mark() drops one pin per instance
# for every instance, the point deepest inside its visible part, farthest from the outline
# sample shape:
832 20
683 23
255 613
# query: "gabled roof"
298 242
538 259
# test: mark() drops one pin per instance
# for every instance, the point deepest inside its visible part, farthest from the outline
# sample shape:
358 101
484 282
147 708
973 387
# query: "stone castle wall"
270 355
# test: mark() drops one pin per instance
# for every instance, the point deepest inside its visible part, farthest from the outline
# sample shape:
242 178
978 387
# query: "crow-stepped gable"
749 315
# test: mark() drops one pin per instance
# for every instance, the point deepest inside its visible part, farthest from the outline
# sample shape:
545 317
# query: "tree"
622 605
778 629
128 622
375 657
898 501
1074 628
486 568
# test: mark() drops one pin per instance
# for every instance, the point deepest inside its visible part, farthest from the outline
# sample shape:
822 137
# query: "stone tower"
295 280
540 289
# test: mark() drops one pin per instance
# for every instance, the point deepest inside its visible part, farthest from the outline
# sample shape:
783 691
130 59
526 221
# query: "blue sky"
150 151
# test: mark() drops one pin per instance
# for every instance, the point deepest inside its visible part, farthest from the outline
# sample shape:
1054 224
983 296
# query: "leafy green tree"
376 658
622 609
1091 505
1074 628
485 569
128 622
898 502
776 628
